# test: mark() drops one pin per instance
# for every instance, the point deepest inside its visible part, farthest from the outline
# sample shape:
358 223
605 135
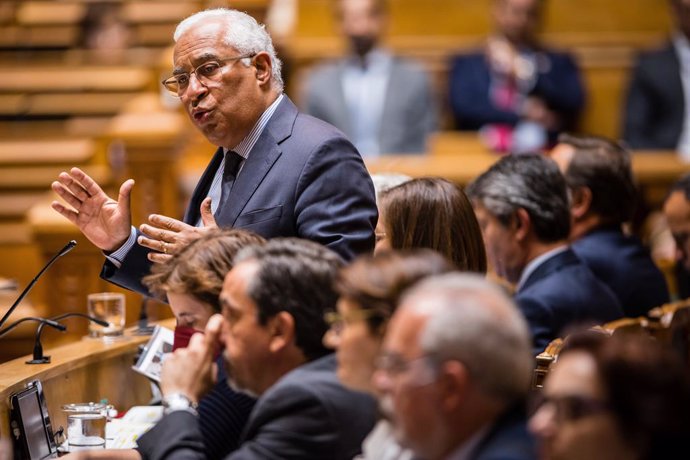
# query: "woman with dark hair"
432 213
621 397
369 290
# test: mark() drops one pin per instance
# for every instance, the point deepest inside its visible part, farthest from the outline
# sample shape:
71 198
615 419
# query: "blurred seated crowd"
305 345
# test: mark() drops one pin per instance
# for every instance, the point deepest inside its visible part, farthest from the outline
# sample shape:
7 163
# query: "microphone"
143 327
68 247
52 323
38 357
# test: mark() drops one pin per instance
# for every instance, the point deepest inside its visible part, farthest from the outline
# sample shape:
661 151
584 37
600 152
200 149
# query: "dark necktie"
232 165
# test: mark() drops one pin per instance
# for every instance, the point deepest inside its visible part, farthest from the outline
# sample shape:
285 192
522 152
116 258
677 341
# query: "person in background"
454 371
383 103
656 114
369 291
602 199
623 397
191 283
273 302
517 92
677 212
276 172
522 207
431 213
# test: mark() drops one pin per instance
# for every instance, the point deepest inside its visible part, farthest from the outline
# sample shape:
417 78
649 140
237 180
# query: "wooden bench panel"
61 78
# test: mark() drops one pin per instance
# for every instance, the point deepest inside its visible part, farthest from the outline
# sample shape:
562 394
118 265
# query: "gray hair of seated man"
243 33
473 321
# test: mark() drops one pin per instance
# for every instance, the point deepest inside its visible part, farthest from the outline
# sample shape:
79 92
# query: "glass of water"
86 425
109 307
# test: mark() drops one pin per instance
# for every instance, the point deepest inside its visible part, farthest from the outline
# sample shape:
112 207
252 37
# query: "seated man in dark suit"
455 370
602 194
272 326
677 212
515 90
656 110
522 207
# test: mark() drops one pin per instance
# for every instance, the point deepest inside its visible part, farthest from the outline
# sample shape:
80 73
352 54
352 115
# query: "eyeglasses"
570 408
394 364
337 321
380 236
209 71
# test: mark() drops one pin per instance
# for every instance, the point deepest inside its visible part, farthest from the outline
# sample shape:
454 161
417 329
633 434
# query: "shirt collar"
466 450
247 144
536 262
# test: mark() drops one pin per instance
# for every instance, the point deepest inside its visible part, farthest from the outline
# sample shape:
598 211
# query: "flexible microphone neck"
49 322
68 247
93 319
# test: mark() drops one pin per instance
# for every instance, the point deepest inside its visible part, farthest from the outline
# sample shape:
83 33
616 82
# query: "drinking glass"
86 425
109 307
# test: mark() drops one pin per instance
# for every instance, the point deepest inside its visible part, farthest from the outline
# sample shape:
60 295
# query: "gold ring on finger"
164 246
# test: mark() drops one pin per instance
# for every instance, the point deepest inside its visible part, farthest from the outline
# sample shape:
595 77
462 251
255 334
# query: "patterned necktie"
232 166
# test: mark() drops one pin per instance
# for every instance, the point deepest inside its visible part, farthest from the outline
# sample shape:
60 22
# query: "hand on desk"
166 235
104 221
192 370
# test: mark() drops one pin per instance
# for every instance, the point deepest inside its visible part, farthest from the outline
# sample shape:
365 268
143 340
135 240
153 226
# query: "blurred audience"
382 102
656 111
621 397
273 302
431 213
519 93
677 212
369 291
602 199
104 31
523 210
454 371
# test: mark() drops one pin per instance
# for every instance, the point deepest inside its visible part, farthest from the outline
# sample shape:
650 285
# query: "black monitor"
32 434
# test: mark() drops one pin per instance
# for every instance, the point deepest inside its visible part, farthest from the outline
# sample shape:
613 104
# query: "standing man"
602 199
383 103
455 370
517 91
276 172
522 208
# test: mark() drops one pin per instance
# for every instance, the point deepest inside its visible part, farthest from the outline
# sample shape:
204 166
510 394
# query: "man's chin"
238 388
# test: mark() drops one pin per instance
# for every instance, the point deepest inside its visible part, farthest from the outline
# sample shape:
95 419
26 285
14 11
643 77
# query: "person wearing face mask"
383 103
191 283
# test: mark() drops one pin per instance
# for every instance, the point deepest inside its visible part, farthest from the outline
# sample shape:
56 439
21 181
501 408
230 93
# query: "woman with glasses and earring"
614 398
369 290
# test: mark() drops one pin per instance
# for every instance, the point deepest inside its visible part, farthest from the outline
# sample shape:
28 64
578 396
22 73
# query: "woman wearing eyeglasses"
369 290
614 398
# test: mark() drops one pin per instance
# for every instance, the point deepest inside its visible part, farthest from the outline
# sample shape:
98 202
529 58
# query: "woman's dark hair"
436 214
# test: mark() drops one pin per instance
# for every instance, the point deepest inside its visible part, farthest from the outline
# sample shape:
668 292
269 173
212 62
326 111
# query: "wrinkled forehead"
206 38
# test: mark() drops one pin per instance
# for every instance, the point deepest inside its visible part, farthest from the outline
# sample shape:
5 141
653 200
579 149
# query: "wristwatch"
178 401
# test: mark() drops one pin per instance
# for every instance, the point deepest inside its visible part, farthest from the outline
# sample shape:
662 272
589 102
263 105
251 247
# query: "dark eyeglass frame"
173 85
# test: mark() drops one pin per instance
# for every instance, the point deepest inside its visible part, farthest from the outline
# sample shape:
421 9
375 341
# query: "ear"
522 224
264 68
581 201
282 331
453 385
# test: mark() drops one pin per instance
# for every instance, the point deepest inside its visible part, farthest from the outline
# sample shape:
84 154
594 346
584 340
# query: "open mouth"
200 115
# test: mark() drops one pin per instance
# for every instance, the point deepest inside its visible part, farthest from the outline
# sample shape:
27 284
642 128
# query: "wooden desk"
88 370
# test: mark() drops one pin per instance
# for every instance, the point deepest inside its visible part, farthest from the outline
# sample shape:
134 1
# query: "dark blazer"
306 415
558 84
626 267
303 178
508 439
562 292
409 109
655 107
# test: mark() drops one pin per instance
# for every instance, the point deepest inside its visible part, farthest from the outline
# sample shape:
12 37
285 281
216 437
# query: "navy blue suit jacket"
508 439
558 84
307 414
561 292
303 178
655 107
626 267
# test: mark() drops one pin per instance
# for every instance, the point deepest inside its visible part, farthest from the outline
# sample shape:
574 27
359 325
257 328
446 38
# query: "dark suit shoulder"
509 438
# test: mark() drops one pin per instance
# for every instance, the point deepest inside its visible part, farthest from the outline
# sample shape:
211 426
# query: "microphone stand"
38 357
143 328
67 248
43 322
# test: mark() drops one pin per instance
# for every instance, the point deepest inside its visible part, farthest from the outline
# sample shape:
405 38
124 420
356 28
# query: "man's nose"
195 89
331 339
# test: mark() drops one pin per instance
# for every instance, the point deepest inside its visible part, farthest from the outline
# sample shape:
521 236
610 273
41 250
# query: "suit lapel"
338 102
261 159
192 215
551 265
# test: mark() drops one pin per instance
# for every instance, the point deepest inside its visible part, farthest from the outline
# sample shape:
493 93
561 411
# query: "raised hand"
167 235
104 221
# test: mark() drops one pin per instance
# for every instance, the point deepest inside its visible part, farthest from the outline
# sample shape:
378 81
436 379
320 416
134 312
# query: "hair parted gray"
472 321
532 182
243 33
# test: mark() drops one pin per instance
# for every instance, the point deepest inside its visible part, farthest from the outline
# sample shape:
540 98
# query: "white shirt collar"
536 262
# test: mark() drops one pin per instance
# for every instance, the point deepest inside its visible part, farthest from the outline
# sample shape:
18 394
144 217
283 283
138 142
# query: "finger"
91 187
66 195
158 258
167 223
123 199
156 245
207 218
73 186
212 333
157 233
67 213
